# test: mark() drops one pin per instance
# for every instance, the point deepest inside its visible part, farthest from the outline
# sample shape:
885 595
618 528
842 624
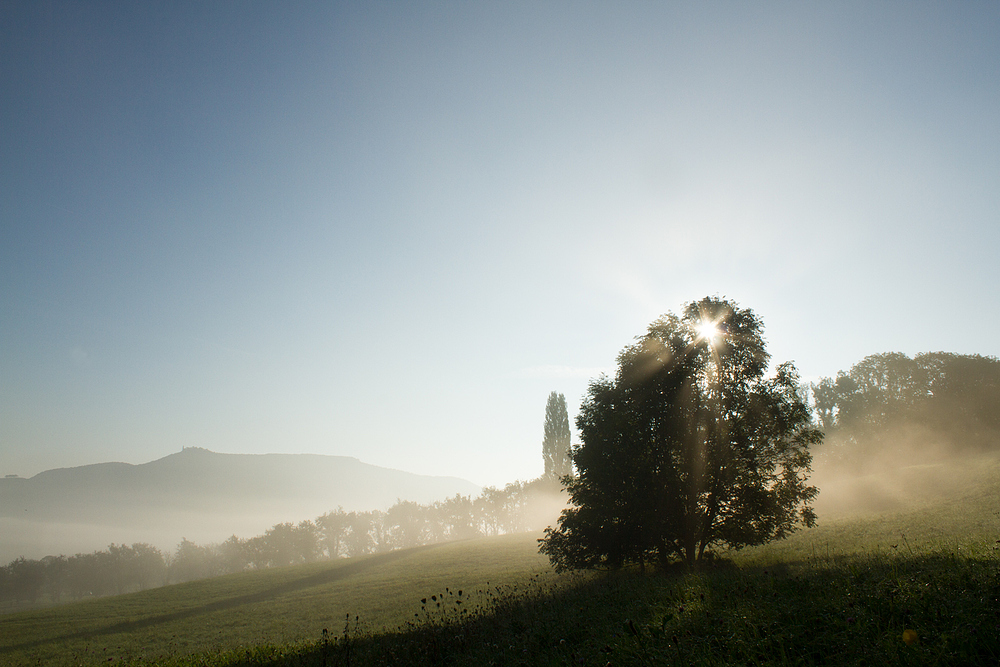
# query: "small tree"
687 447
556 442
333 529
359 540
406 522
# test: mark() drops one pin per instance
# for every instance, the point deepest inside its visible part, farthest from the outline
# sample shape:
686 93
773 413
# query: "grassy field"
278 605
916 585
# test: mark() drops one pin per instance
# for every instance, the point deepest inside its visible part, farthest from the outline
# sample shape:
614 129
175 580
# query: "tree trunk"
690 547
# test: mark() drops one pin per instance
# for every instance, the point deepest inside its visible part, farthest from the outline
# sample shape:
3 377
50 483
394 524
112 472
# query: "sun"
709 331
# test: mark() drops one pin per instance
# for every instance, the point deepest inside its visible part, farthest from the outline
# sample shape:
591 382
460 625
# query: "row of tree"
518 507
933 401
119 569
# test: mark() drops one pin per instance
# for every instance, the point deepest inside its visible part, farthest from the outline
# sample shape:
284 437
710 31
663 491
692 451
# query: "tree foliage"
887 403
556 440
688 446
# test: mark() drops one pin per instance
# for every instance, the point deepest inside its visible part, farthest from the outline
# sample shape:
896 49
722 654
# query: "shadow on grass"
847 611
331 575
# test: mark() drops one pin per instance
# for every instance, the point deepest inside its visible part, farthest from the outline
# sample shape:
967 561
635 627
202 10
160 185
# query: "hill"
198 494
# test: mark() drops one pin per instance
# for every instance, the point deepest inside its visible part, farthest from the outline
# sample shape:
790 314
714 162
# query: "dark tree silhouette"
688 446
556 441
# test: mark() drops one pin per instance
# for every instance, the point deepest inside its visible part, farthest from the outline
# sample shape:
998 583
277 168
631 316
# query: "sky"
388 230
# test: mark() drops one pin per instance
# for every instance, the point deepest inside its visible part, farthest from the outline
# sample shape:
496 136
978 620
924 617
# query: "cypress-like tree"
556 443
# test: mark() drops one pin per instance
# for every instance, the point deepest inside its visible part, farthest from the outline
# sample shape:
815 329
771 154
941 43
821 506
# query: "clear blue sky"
389 230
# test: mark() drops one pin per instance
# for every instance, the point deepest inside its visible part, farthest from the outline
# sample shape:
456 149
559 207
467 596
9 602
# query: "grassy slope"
935 507
841 593
280 605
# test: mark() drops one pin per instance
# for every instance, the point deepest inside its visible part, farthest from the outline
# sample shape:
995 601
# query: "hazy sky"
389 230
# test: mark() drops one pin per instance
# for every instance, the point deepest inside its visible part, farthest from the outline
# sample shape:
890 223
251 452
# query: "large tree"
688 446
556 439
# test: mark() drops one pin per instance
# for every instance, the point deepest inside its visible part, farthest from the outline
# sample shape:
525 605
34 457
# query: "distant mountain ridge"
200 480
197 492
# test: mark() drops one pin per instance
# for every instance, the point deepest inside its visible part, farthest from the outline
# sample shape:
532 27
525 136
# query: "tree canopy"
688 446
889 403
556 440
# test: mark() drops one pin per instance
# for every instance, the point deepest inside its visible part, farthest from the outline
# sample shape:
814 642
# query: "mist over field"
901 433
195 494
894 487
916 470
904 432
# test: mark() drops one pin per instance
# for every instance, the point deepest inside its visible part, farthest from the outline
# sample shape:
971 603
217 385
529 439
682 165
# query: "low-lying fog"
908 470
206 497
198 495
37 539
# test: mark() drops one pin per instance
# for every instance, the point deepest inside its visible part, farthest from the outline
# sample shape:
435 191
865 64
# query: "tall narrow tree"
556 443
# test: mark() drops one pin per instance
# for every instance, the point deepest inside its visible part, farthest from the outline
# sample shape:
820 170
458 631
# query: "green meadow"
270 606
915 582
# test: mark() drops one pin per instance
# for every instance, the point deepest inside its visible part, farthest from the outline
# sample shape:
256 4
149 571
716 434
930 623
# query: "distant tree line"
889 406
518 507
119 569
